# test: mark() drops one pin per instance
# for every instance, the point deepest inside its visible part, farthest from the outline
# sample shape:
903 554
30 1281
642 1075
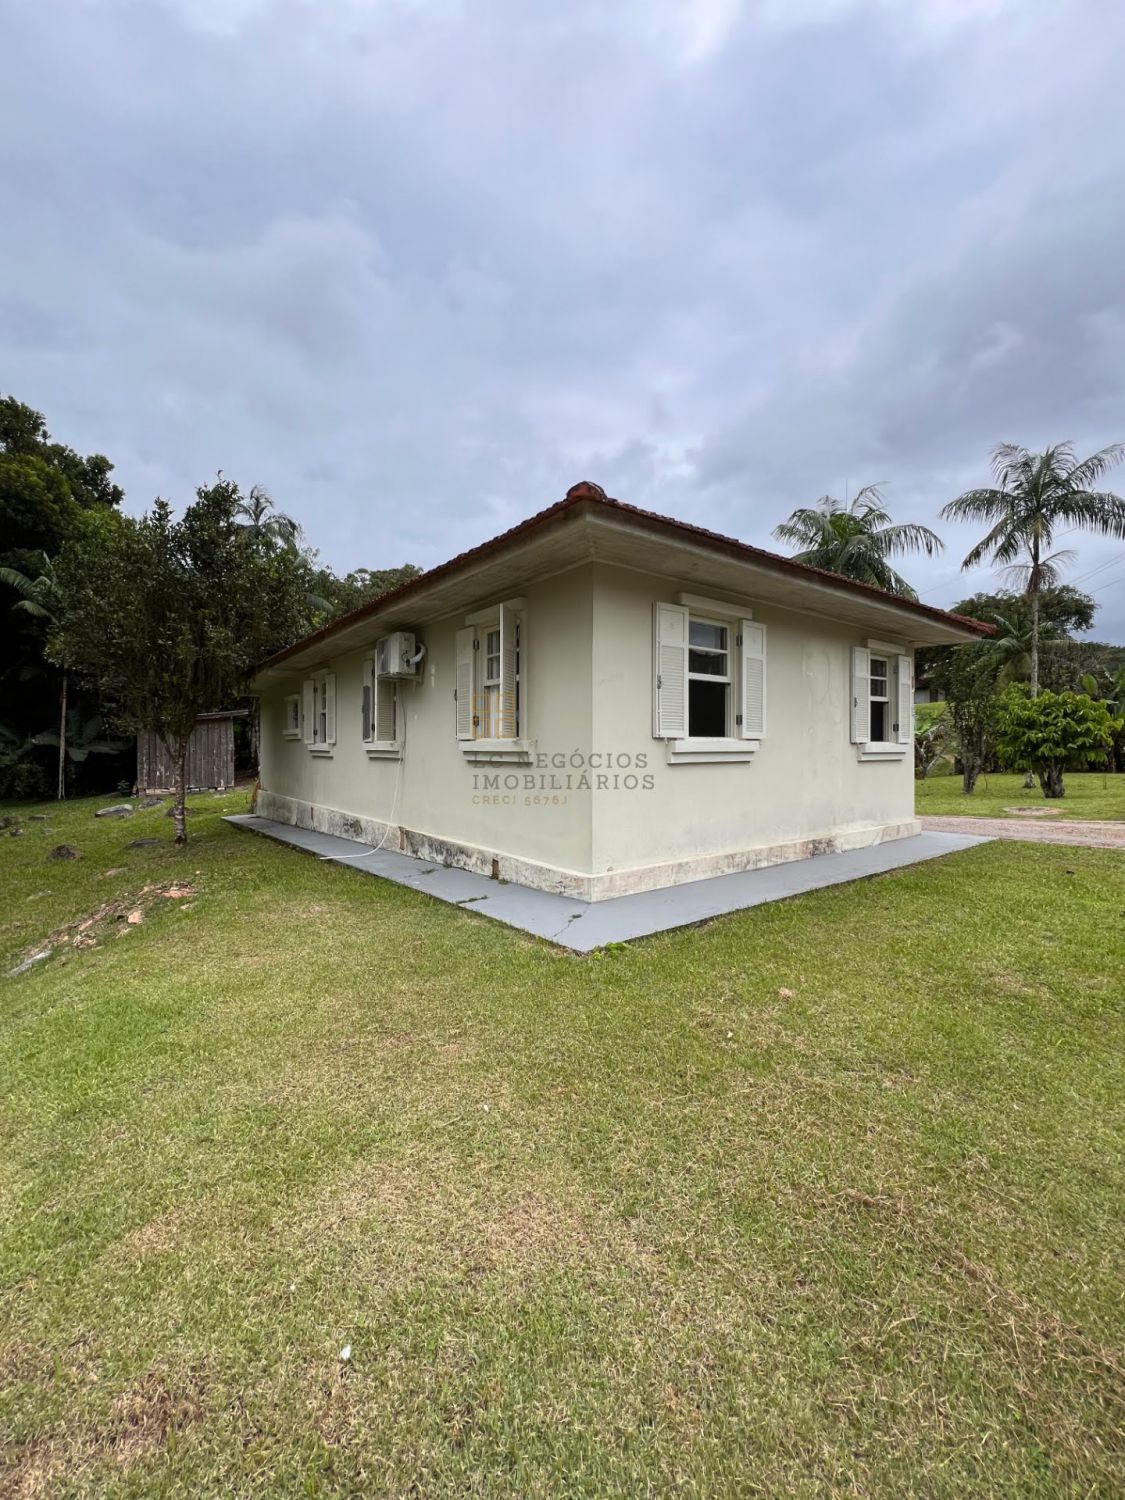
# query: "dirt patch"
1035 812
141 1422
426 1219
112 918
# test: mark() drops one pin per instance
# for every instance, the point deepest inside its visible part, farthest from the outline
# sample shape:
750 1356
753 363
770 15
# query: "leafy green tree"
169 617
1052 733
44 485
78 738
966 677
40 597
856 540
341 595
1034 495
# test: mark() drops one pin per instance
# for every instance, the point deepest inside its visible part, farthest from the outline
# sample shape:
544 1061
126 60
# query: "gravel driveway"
1034 830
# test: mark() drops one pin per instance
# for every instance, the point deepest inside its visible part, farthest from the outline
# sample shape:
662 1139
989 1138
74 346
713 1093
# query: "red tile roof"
592 495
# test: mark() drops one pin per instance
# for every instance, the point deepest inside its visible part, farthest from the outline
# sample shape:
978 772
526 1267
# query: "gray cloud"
417 265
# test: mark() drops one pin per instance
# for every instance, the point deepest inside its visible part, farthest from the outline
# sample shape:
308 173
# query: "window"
381 719
488 706
489 690
882 701
709 681
320 711
291 722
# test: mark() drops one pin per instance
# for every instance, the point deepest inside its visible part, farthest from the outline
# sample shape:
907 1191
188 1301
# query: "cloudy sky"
416 266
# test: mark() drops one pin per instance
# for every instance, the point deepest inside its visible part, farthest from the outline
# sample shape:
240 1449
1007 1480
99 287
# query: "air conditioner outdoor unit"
394 655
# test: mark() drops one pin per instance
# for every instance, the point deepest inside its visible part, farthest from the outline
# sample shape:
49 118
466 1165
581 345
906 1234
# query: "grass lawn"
822 1199
1089 794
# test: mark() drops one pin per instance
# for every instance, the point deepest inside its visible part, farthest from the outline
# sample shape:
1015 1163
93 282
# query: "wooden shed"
210 759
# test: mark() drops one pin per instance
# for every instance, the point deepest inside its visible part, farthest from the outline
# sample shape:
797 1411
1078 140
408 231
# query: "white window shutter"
507 717
753 680
905 700
328 688
309 709
385 711
466 709
669 671
861 695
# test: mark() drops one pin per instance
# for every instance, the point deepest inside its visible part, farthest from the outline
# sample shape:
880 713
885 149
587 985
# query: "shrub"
1052 733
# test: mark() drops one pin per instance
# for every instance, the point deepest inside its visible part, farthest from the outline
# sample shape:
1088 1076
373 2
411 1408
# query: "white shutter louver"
309 709
669 672
463 683
365 710
328 688
753 680
385 711
861 695
507 715
905 700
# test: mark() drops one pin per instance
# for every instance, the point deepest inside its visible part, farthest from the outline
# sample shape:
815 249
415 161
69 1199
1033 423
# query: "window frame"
291 707
377 687
899 659
320 727
727 679
483 744
746 649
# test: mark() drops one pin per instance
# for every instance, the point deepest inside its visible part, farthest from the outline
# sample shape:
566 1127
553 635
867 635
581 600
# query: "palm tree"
856 540
1011 646
1035 494
41 596
269 531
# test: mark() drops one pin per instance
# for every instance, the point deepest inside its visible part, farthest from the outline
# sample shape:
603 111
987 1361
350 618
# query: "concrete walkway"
585 925
1034 830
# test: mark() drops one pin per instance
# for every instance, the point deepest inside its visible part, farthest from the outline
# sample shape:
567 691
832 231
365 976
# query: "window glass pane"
713 663
708 704
704 633
879 715
878 674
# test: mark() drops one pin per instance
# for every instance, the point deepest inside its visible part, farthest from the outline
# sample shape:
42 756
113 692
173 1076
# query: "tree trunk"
179 789
970 770
1034 592
62 741
1051 780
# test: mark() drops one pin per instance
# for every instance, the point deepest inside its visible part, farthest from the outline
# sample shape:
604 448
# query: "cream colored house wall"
805 787
571 820
434 793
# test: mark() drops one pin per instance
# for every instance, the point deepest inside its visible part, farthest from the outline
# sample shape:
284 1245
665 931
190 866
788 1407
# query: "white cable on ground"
336 858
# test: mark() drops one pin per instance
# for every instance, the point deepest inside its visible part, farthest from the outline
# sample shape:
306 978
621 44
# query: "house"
601 701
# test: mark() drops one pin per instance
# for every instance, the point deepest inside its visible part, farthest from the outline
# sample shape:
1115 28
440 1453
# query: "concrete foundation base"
585 925
498 864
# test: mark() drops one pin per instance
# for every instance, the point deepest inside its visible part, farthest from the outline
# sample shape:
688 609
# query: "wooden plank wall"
210 762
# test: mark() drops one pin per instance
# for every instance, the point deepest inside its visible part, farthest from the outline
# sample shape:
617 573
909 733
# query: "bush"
1052 733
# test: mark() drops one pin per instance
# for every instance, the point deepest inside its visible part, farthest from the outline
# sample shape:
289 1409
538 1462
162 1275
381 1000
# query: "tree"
170 617
77 739
856 540
930 741
270 528
339 596
44 486
1052 732
1033 496
966 677
40 597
